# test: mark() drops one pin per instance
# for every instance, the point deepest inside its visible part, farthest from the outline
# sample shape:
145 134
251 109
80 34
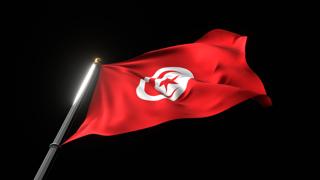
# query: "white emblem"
169 82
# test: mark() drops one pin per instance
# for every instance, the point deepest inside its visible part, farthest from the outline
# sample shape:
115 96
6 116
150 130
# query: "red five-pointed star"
168 81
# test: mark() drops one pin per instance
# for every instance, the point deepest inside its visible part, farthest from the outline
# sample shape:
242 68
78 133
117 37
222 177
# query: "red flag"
185 81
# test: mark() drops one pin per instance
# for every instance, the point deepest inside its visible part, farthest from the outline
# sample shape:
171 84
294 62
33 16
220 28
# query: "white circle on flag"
170 82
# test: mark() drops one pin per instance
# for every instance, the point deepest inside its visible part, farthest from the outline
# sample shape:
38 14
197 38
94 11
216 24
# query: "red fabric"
221 80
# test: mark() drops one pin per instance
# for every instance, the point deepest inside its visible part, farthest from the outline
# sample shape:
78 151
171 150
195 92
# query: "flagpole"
53 147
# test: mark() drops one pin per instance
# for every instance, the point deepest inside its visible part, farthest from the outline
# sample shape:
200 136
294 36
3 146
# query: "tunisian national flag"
193 80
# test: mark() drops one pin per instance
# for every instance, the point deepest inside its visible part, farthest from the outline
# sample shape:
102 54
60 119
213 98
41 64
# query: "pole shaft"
57 140
55 145
45 164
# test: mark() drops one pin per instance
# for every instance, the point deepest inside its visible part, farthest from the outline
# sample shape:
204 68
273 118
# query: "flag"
193 80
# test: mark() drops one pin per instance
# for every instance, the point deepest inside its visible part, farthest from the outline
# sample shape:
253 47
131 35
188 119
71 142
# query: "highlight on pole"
86 80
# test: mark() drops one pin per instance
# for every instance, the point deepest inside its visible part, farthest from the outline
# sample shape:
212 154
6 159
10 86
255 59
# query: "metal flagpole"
56 142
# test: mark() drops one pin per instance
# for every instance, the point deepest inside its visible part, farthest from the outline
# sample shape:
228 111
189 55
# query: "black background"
58 43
